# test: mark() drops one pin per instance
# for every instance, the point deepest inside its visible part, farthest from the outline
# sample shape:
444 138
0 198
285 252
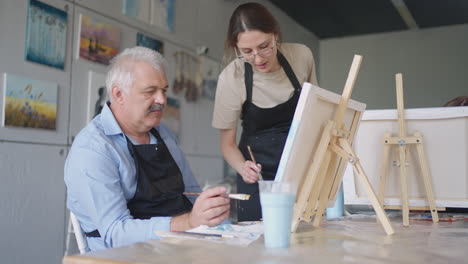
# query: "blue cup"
277 200
337 210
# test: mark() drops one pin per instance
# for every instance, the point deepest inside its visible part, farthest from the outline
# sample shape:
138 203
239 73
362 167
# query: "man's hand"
211 208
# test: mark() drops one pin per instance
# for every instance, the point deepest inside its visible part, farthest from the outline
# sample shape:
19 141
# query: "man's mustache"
156 107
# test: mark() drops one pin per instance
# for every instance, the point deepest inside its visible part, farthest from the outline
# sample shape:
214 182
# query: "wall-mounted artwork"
162 14
99 42
188 75
171 116
137 9
29 103
97 94
46 35
211 70
149 42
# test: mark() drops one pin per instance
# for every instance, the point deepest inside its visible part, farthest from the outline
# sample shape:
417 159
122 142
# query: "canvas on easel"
318 148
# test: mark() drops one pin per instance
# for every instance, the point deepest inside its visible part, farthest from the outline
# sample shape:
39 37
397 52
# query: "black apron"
265 130
160 183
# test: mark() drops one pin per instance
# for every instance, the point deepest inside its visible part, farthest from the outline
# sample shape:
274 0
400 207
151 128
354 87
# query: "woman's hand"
250 172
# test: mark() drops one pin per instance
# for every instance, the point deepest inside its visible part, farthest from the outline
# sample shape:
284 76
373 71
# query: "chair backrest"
79 234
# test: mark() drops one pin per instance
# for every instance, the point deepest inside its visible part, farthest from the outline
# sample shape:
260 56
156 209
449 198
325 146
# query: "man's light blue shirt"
100 176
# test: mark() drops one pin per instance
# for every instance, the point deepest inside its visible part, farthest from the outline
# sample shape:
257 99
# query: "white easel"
404 142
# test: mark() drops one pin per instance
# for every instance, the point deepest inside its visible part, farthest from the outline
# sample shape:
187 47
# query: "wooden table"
356 240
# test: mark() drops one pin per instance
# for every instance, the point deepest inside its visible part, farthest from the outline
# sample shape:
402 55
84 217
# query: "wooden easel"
404 142
322 178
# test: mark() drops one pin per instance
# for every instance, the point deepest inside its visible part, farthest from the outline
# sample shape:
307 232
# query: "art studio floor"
353 239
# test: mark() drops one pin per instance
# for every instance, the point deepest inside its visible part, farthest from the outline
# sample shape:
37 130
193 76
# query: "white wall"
32 193
434 64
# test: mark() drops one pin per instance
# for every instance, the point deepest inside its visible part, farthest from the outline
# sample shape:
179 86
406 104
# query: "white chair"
79 235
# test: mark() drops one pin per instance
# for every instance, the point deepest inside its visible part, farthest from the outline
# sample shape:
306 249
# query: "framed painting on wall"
162 14
171 116
99 42
97 94
211 70
149 42
137 9
29 103
46 35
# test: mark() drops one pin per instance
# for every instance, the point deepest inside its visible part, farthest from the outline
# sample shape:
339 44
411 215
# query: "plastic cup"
277 200
337 210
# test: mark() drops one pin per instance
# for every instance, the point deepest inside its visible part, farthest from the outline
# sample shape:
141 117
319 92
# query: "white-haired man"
125 173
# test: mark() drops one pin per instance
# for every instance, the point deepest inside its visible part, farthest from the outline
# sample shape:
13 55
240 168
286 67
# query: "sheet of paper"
241 234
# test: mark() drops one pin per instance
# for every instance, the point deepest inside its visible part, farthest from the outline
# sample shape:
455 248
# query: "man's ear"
116 94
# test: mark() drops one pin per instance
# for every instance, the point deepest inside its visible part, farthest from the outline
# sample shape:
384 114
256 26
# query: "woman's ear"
277 41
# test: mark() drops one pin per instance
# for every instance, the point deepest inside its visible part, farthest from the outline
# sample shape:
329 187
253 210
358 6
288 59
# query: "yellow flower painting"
29 103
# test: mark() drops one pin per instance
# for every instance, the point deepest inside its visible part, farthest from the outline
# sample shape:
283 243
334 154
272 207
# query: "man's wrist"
189 220
181 222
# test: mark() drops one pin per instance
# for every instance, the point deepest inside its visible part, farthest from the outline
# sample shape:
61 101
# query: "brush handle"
191 193
260 176
237 196
251 154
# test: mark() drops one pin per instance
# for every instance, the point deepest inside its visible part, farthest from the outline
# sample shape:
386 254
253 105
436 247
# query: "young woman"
261 87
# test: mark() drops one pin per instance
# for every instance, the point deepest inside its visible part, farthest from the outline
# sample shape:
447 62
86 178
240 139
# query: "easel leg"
427 179
362 177
384 169
404 185
315 192
325 191
303 195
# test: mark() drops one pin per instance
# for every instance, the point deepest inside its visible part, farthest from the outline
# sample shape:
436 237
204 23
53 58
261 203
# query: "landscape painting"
99 42
29 103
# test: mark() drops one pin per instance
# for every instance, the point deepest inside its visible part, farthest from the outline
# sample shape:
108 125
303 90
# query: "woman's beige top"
269 89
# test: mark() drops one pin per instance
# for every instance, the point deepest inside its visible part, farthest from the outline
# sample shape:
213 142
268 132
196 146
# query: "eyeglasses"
266 52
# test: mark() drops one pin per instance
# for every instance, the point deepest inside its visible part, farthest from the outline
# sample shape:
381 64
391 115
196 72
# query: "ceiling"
341 18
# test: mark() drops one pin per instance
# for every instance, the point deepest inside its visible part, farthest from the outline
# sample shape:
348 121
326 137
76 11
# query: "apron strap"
248 80
289 72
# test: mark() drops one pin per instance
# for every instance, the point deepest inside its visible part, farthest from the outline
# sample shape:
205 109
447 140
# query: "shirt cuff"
160 223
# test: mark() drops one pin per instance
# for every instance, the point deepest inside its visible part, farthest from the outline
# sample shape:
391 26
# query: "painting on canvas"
162 14
149 42
97 94
29 103
137 9
211 70
171 116
46 35
99 42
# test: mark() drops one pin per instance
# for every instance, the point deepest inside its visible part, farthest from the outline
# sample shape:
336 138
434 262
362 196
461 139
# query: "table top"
350 240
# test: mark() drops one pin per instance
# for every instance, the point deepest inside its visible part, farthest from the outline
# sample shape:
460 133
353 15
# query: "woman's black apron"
265 130
160 183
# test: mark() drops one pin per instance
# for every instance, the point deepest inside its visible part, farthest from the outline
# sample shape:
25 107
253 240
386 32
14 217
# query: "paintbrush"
236 196
253 159
202 235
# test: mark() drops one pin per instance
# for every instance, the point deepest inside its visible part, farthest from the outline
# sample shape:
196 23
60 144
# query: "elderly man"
125 174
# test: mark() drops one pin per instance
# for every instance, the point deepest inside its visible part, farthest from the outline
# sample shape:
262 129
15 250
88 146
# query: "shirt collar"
108 121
